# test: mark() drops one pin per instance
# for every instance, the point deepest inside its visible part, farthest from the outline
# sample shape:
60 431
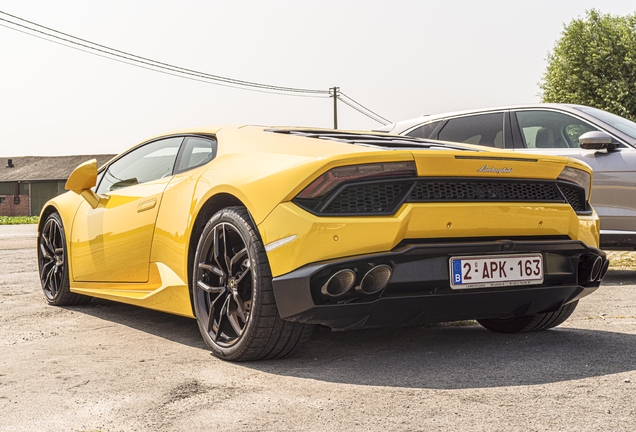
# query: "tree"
594 63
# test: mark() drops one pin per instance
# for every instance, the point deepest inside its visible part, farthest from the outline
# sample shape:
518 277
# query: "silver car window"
482 129
622 124
424 131
551 129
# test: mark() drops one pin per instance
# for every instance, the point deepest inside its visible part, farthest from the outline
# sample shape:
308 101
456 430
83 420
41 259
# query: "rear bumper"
419 289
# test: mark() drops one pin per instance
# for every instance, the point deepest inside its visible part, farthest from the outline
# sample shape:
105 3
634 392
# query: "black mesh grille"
483 191
574 197
369 198
385 197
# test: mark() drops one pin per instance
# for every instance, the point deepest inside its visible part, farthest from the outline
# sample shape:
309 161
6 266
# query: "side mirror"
82 179
596 140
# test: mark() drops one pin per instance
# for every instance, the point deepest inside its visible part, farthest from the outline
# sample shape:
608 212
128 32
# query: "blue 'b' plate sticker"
457 272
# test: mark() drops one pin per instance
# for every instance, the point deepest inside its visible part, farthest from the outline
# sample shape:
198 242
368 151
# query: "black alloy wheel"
232 292
53 264
224 284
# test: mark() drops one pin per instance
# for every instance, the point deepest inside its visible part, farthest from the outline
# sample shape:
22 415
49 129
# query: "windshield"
622 124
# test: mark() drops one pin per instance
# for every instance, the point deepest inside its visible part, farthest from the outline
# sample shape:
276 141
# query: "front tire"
232 293
53 264
530 323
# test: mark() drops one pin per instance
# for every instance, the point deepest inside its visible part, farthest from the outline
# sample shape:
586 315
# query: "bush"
594 64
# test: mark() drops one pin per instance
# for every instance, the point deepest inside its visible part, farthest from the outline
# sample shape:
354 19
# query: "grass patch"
624 260
18 220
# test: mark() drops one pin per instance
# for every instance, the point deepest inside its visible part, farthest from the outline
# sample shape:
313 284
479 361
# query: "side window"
195 151
482 129
423 131
551 129
146 163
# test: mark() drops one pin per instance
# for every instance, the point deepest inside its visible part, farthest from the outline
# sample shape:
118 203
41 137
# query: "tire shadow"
457 357
448 356
175 328
619 277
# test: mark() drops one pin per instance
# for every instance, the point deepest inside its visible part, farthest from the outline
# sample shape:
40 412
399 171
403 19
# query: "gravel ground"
112 367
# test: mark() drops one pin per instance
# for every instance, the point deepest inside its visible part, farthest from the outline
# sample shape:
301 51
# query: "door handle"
147 205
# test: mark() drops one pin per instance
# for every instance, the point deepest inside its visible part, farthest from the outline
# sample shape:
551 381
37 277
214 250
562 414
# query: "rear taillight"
336 176
578 177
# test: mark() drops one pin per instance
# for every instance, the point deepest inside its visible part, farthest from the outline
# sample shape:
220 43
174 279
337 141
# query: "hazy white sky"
399 58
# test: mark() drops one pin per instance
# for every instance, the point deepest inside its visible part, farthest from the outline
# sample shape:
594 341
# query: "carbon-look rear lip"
427 264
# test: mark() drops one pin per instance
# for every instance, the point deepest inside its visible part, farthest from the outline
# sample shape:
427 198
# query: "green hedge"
18 220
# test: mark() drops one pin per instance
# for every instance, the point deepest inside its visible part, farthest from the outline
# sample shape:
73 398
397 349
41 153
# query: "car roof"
407 124
359 138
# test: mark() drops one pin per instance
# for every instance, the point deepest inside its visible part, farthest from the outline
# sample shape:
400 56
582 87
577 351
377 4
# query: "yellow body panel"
333 237
172 232
134 248
164 291
112 243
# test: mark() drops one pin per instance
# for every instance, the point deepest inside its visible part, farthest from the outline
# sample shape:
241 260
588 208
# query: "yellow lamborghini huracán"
260 234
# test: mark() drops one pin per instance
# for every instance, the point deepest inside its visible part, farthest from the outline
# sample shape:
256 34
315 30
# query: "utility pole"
334 91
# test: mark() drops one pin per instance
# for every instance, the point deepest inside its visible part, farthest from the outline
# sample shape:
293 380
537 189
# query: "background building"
26 183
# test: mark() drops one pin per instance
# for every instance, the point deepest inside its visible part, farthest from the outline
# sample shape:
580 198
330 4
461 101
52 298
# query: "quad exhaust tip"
339 283
375 279
597 266
604 270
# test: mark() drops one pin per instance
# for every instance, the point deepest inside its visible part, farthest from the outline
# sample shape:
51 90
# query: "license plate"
495 270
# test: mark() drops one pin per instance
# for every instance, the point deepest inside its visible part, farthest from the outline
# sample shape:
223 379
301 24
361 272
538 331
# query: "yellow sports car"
262 233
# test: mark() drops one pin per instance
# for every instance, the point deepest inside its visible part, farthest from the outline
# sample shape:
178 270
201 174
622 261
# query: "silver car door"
614 185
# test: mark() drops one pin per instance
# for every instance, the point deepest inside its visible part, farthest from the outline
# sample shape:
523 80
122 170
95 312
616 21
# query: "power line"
74 42
344 101
378 116
362 109
94 47
168 73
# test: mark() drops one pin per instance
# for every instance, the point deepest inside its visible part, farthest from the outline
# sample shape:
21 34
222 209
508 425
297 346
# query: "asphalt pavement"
112 367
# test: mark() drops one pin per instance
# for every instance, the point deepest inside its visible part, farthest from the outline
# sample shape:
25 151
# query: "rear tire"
530 323
232 293
53 264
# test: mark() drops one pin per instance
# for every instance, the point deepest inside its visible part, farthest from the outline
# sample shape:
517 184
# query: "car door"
112 243
614 189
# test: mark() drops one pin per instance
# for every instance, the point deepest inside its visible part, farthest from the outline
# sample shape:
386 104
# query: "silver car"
605 141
